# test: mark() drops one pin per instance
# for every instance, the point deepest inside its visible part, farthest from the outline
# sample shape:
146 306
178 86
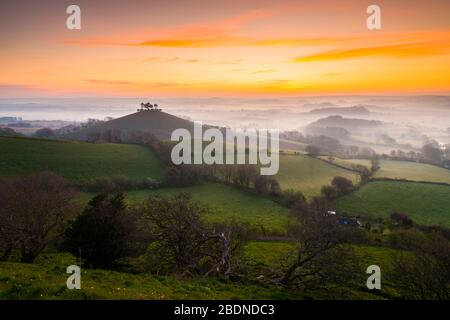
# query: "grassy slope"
75 160
412 171
400 169
304 173
227 203
46 279
425 203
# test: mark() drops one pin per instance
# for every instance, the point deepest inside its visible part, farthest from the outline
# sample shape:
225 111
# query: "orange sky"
228 48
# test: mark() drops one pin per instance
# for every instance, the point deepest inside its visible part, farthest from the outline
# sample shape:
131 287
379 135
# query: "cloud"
262 71
236 41
110 82
171 59
394 51
134 84
223 33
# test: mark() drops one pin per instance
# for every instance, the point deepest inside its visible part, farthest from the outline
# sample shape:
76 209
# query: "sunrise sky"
223 48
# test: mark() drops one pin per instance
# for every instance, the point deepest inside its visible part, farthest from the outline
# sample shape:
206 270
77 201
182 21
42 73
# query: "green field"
399 169
76 161
412 171
307 174
425 203
226 203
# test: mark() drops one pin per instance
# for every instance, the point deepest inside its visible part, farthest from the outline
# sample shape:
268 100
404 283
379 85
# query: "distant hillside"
158 123
8 132
355 110
346 123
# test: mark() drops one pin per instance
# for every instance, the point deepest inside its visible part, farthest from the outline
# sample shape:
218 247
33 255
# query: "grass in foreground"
46 279
426 204
76 161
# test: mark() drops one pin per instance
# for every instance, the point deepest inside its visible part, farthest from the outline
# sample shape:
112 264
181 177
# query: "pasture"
307 174
76 161
425 203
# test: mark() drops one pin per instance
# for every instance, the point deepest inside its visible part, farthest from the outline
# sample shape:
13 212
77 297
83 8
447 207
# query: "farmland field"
226 203
76 161
412 171
426 204
307 174
399 169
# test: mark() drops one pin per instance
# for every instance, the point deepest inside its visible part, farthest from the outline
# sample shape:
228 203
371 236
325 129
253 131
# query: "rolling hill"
346 123
358 110
76 161
158 123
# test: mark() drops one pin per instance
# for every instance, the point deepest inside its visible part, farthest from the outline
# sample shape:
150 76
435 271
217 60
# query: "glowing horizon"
232 48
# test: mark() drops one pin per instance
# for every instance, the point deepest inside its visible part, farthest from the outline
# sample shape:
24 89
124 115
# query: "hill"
355 111
346 123
76 161
307 174
8 132
425 203
158 123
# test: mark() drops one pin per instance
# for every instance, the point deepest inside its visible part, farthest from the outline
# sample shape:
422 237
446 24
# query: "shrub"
115 183
342 185
104 232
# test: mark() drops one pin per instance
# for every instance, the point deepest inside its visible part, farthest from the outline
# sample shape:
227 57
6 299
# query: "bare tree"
423 271
183 243
33 210
321 258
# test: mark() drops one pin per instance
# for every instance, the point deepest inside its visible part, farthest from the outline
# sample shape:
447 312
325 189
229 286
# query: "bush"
181 176
402 220
104 232
151 184
115 183
290 197
329 192
342 185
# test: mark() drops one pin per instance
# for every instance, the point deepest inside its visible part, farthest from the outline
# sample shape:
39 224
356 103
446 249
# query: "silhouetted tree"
104 232
321 259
